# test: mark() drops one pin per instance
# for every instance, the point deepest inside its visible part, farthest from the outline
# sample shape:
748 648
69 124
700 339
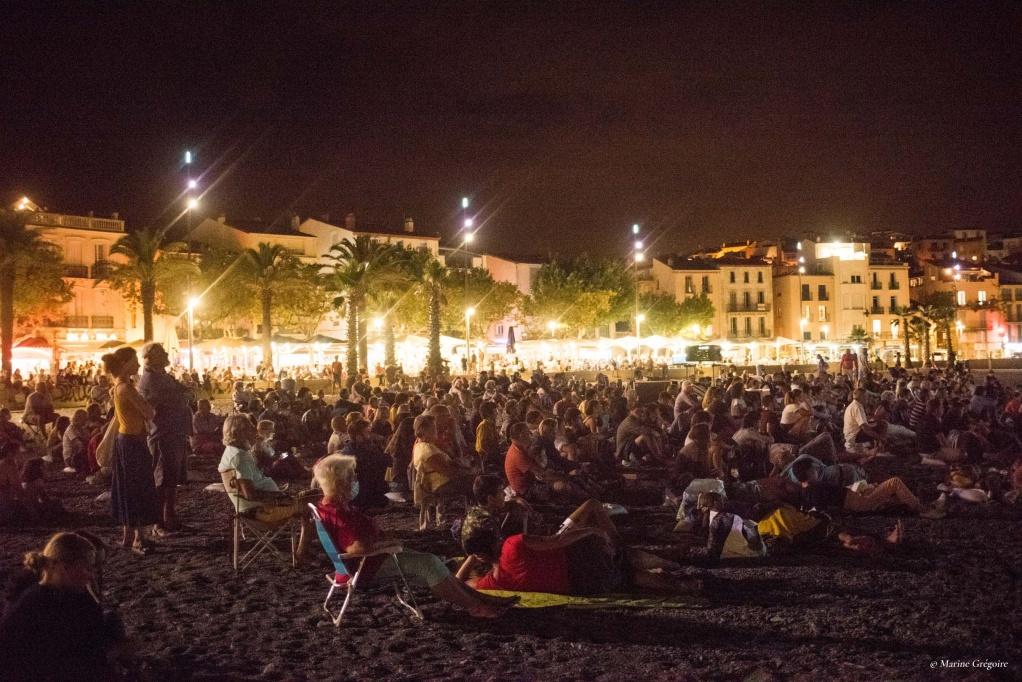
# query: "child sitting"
338 436
55 443
37 501
75 443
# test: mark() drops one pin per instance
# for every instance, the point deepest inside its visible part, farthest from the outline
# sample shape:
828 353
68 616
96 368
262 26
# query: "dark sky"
564 122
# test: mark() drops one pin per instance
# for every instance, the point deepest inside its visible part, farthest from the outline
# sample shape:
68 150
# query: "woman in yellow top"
440 474
133 494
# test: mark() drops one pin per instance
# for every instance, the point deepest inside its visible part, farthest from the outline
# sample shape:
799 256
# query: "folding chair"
351 585
264 535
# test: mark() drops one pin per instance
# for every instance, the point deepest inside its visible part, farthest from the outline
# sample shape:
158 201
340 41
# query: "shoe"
70 470
941 502
944 487
48 459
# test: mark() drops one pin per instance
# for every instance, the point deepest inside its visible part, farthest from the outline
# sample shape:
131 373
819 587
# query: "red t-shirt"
528 570
347 526
516 468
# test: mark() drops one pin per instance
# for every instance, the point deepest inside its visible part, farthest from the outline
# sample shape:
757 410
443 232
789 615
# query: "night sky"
564 122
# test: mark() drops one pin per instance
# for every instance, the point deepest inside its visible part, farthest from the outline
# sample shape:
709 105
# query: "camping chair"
351 585
264 535
427 501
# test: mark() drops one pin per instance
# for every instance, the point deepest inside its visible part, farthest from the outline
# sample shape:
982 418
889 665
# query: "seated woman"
353 532
438 472
55 443
41 505
206 435
54 628
251 491
13 508
584 558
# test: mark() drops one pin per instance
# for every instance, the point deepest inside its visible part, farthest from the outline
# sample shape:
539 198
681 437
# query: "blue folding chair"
340 569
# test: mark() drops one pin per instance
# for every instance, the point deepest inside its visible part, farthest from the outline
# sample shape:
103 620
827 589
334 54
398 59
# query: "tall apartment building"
96 316
836 287
740 290
961 245
980 325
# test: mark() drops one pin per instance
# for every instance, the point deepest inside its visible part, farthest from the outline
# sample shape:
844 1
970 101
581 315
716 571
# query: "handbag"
105 449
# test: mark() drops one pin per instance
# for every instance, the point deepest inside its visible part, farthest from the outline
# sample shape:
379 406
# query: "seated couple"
355 533
252 492
585 557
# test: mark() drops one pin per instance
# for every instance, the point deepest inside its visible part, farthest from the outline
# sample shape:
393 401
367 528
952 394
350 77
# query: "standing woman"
133 496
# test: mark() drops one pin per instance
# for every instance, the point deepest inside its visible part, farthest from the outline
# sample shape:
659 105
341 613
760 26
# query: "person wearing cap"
169 430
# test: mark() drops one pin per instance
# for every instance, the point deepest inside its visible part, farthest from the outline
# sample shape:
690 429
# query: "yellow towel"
542 600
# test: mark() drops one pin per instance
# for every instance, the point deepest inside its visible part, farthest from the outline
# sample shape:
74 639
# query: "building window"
732 299
805 293
734 326
982 296
762 326
746 300
100 252
822 291
500 330
731 277
688 285
807 336
759 277
823 335
960 298
856 279
821 314
745 277
894 303
761 297
894 330
748 326
876 327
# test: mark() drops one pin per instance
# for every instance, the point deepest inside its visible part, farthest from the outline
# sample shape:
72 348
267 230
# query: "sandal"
140 550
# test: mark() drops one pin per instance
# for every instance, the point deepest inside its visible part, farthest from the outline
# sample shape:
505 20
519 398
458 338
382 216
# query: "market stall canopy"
32 342
114 343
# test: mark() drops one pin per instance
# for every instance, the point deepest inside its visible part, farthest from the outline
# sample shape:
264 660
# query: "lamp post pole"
192 303
638 256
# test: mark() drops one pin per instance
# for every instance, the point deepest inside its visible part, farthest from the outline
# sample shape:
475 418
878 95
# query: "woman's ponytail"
36 562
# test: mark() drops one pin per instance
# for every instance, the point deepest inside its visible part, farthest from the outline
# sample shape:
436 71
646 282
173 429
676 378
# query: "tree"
151 264
30 278
491 300
664 314
358 266
264 270
940 310
579 295
697 310
860 336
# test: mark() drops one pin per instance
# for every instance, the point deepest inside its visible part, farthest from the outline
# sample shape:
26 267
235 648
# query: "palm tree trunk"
147 292
947 332
267 301
389 352
926 342
363 340
908 343
7 317
352 357
434 363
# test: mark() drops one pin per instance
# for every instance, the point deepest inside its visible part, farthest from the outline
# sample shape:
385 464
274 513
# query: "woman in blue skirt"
133 495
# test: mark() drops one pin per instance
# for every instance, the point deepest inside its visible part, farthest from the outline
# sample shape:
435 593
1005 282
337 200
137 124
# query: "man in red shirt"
527 477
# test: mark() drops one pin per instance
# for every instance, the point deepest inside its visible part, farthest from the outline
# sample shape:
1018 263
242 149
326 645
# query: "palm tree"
17 243
905 317
151 263
359 267
264 269
940 310
433 275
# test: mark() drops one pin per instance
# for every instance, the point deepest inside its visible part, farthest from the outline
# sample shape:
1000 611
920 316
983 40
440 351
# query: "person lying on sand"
584 558
354 532
887 495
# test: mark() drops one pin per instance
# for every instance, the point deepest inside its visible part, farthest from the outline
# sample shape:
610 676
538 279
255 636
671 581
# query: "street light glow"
639 257
551 325
641 317
192 183
635 228
193 303
469 237
801 270
378 323
188 156
468 223
464 202
193 203
470 311
638 244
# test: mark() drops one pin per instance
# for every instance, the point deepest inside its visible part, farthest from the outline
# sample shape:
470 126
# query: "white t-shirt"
855 418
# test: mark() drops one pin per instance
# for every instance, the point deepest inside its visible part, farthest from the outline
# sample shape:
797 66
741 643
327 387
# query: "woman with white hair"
355 533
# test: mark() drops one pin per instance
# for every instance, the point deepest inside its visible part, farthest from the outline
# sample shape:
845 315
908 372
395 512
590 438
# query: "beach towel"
543 600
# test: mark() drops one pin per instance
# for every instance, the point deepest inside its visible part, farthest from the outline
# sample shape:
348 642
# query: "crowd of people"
527 472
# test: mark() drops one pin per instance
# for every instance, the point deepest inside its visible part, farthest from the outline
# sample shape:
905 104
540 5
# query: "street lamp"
193 203
469 312
193 303
638 256
552 327
639 319
378 323
192 183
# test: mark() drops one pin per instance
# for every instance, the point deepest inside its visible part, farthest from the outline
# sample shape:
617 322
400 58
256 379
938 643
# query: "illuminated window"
960 298
894 330
822 316
982 296
876 327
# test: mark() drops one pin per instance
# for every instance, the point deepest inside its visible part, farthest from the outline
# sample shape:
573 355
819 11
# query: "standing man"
168 432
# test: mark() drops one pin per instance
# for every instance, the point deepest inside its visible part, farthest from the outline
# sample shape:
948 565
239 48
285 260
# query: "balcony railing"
754 334
825 297
876 285
102 321
81 321
77 221
101 269
893 286
748 307
876 310
81 271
